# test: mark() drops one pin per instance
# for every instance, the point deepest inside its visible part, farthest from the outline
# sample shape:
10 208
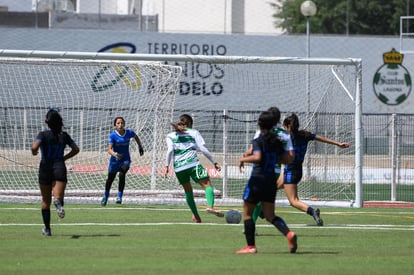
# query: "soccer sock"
120 194
109 181
121 185
46 217
61 201
106 193
310 211
189 197
280 224
256 212
249 230
210 196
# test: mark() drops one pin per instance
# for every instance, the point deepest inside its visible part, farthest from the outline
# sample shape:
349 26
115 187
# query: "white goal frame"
354 62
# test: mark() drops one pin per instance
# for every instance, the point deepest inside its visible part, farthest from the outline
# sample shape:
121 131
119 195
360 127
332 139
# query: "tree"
374 17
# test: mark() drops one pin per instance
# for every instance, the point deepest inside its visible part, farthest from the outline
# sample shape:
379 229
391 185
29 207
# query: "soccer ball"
233 216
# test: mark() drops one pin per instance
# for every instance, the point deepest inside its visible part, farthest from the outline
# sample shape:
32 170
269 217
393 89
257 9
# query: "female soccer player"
292 173
284 137
182 145
52 168
261 187
120 160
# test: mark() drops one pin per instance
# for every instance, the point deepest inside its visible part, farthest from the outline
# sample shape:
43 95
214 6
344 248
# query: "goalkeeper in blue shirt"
120 160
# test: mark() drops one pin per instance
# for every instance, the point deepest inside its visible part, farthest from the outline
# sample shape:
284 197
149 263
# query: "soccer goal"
89 93
223 94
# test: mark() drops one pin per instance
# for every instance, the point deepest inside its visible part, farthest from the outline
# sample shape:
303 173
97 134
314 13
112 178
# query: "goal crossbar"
178 57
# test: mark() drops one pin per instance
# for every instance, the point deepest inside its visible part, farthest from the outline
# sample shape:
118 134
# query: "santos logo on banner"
392 81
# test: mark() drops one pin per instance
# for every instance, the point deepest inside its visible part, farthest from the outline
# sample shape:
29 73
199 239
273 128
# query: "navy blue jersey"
52 146
270 157
300 146
261 185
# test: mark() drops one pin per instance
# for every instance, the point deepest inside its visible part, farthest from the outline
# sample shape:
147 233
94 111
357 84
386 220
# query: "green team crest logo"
392 81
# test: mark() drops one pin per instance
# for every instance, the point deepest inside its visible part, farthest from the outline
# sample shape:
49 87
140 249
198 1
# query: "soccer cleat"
250 249
104 201
118 200
46 232
196 219
317 217
59 209
214 212
292 241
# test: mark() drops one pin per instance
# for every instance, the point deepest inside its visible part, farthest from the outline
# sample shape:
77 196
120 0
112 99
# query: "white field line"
278 210
325 227
381 227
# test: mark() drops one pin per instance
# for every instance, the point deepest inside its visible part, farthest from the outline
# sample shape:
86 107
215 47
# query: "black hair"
266 123
293 122
276 113
118 117
54 121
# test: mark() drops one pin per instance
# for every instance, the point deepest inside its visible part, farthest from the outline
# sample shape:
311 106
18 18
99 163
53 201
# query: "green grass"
134 239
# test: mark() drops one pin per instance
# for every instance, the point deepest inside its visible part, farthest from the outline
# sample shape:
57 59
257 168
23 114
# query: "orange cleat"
250 249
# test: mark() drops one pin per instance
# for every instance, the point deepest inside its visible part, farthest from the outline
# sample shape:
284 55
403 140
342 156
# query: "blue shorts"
115 166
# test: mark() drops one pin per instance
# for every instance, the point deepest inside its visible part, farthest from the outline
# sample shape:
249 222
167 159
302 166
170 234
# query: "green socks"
210 196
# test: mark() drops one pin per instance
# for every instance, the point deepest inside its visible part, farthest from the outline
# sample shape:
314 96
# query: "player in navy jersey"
292 172
284 136
52 168
120 160
267 152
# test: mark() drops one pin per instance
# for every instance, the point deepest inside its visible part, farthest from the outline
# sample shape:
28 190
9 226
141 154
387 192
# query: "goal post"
223 94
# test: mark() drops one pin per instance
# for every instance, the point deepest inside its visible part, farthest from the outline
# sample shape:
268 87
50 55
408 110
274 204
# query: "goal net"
223 94
89 94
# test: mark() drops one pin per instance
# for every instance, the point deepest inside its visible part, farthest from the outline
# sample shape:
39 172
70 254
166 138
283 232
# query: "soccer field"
135 239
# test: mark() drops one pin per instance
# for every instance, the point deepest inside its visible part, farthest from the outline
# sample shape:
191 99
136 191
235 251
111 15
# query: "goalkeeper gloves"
118 156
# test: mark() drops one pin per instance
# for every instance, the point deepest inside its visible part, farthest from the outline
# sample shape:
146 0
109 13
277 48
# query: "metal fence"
388 159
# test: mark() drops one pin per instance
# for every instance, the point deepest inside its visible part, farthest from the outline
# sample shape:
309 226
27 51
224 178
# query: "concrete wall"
370 49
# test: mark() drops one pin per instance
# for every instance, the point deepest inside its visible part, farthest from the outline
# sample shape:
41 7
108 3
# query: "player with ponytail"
261 188
52 168
292 172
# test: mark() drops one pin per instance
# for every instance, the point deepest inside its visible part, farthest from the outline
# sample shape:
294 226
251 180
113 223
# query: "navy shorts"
50 172
292 176
260 188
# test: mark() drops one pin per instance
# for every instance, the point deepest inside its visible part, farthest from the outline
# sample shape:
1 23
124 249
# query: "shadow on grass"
94 236
305 253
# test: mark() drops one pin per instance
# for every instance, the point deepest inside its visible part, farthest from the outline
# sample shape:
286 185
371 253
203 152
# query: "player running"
292 173
182 145
261 187
52 168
